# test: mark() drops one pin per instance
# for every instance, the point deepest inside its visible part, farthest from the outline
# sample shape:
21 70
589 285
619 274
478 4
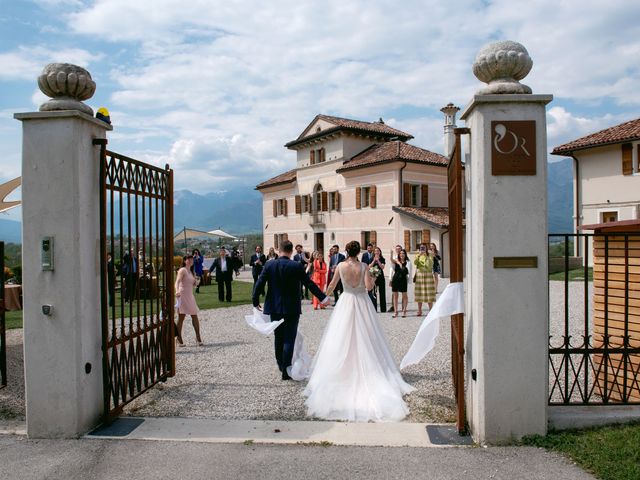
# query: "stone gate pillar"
506 250
60 205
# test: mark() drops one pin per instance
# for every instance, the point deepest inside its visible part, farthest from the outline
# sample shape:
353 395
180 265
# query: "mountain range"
239 211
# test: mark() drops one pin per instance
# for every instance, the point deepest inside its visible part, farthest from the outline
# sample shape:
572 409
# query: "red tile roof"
393 151
286 177
345 124
436 216
625 132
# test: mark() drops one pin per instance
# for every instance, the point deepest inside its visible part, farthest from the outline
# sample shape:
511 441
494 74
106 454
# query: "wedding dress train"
354 376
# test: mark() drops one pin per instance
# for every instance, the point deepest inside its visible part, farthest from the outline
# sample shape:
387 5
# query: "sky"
216 89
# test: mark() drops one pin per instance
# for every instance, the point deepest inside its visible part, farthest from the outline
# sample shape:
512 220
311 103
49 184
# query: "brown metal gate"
454 173
3 337
136 242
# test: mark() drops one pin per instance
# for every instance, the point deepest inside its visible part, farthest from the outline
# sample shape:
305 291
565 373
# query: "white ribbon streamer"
450 302
261 322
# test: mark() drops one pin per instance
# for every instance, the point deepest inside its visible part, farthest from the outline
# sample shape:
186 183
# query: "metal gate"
454 174
3 337
136 243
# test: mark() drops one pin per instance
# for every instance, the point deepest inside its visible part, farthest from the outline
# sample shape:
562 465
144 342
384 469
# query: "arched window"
317 197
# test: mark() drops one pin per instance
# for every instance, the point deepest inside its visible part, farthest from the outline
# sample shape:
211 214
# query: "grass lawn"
610 453
575 275
206 299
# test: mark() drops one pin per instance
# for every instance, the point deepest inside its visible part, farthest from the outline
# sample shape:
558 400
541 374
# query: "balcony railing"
316 219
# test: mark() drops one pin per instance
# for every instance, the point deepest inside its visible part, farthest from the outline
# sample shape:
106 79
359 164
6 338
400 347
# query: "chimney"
449 124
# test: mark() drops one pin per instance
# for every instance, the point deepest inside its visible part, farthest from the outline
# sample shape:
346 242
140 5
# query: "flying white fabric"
450 302
261 322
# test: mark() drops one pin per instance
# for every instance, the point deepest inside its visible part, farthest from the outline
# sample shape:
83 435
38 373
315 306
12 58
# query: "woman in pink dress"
185 300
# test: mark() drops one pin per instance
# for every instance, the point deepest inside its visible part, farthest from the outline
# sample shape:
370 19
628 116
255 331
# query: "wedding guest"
256 263
381 287
272 255
302 257
318 269
223 269
394 257
197 267
335 257
236 260
423 278
130 273
437 269
399 281
367 257
186 302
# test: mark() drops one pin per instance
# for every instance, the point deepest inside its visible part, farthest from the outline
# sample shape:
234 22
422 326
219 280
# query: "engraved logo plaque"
513 147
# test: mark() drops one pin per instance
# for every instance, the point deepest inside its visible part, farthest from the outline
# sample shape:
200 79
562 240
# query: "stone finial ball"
501 65
67 85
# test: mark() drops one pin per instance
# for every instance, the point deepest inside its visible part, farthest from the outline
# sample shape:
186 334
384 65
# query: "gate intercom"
46 251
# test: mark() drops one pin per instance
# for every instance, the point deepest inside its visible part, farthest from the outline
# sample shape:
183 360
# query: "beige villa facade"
361 181
606 174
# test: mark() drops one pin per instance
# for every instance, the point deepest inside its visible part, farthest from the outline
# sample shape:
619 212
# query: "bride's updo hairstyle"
353 248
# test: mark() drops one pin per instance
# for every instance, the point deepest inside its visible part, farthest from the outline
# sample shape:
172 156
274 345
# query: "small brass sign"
515 262
513 147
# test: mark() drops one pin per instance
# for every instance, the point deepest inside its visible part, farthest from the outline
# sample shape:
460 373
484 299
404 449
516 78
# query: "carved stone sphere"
501 65
67 85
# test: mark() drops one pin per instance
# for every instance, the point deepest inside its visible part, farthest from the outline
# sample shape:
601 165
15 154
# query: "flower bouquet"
374 271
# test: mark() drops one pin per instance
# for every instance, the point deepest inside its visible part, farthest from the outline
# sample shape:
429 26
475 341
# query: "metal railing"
137 284
316 219
594 337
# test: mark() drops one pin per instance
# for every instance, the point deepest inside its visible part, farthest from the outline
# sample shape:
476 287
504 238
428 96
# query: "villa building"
606 175
358 180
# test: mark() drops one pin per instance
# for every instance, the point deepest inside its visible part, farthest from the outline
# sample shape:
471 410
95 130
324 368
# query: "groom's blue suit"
284 276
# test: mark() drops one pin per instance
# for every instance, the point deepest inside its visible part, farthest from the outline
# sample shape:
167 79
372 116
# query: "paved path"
23 459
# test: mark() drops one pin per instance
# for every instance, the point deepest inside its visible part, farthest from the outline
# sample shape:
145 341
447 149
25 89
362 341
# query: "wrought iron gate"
136 213
3 337
454 174
594 337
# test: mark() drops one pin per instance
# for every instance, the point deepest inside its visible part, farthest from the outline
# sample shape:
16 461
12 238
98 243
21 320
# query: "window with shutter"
426 236
372 196
407 240
358 197
285 205
322 155
275 208
312 157
285 236
627 159
373 237
425 196
406 195
363 239
337 197
298 204
276 245
325 202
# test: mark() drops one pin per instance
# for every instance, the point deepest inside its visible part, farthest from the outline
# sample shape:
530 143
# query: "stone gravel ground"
234 376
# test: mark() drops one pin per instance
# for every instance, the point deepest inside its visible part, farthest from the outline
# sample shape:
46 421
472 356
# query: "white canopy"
222 234
186 233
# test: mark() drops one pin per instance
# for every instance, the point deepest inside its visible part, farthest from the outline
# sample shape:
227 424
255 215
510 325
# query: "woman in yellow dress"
425 288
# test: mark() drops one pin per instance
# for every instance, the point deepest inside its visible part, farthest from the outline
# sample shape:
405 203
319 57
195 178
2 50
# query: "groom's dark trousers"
283 278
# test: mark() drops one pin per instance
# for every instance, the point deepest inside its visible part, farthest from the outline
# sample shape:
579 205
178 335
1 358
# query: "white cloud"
26 63
563 126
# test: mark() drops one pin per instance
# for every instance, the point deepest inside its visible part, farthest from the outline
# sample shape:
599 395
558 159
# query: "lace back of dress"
351 274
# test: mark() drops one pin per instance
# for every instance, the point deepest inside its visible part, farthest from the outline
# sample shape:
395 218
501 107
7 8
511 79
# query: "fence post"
60 200
506 256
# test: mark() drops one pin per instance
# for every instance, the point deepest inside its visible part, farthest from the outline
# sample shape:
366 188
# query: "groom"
284 277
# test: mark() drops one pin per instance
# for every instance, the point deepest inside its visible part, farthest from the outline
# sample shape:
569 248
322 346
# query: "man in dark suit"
367 257
130 273
256 263
302 257
223 268
334 260
284 277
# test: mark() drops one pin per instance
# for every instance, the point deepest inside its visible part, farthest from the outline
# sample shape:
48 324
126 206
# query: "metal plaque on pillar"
513 147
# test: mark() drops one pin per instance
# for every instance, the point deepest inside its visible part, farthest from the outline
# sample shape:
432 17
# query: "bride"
354 376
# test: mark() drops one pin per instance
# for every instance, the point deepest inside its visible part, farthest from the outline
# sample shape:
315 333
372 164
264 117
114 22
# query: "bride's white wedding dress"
354 376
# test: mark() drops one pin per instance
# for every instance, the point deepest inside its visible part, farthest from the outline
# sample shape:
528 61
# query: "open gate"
454 174
136 244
